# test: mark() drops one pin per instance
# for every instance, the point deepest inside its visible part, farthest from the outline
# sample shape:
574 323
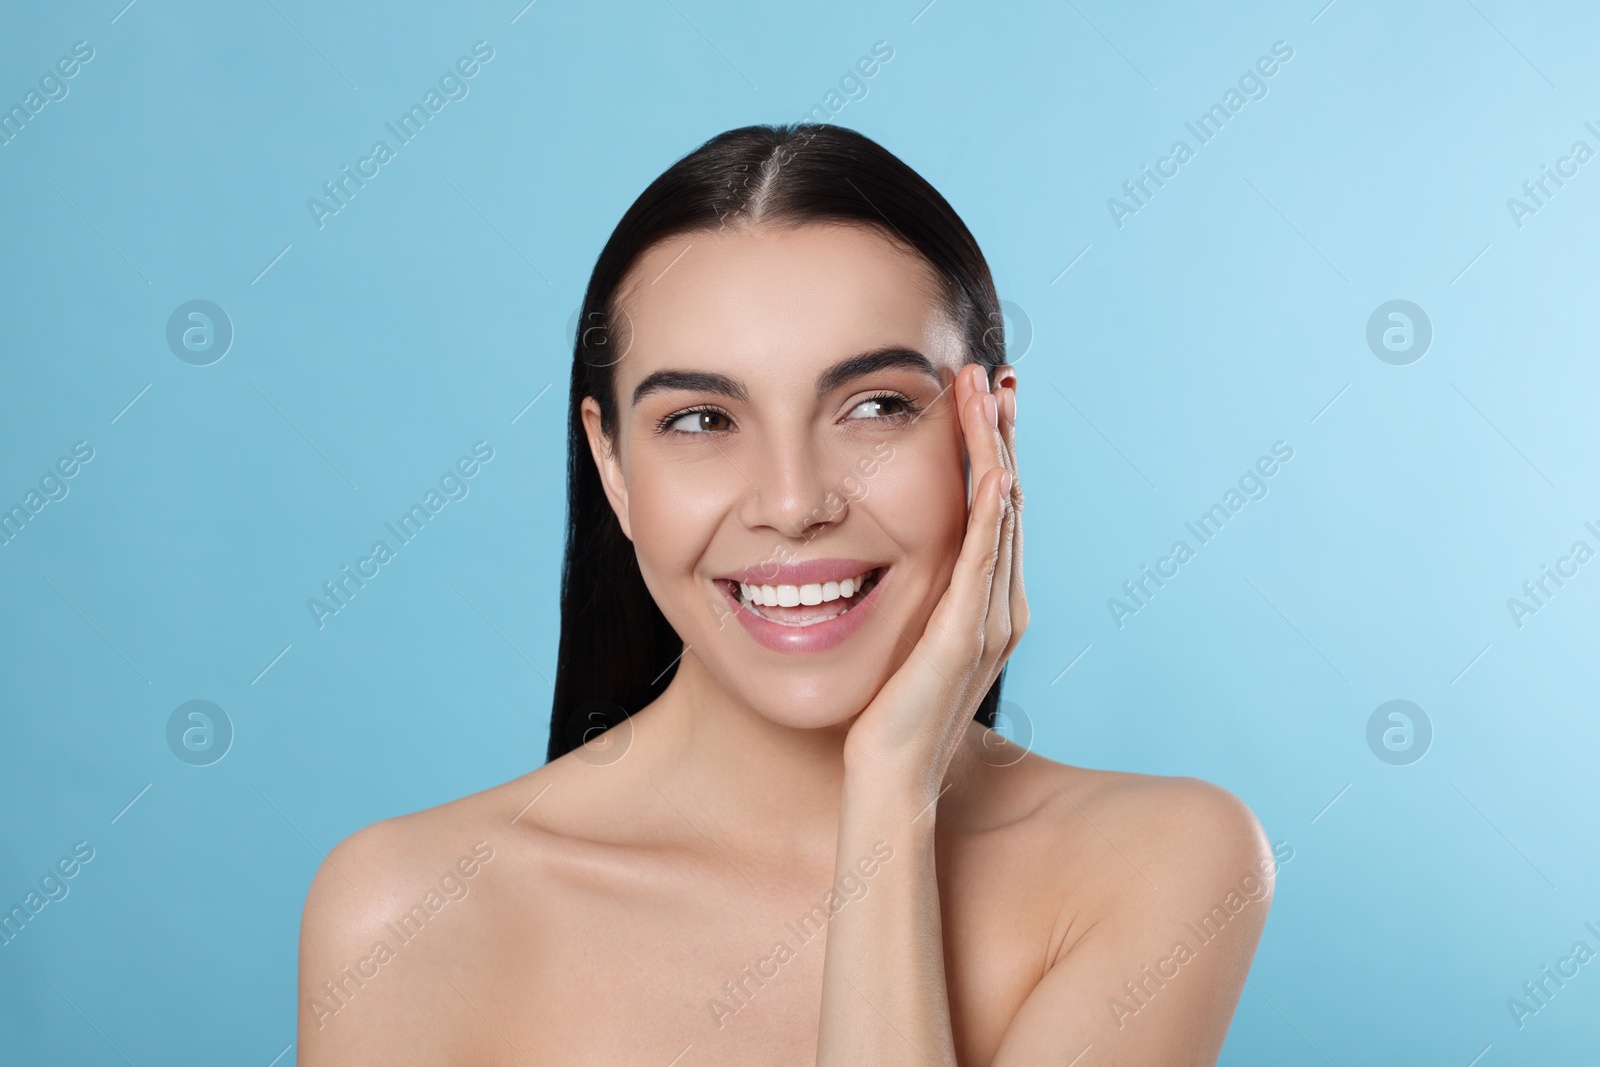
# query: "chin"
822 707
812 687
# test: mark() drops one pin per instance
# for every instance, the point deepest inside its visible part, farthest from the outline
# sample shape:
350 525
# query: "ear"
608 463
1003 376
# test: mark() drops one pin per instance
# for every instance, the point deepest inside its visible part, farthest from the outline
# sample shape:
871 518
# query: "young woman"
775 827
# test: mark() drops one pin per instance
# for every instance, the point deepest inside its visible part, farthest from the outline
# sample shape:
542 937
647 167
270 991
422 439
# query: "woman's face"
785 420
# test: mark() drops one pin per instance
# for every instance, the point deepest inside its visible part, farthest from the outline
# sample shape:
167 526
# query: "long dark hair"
617 651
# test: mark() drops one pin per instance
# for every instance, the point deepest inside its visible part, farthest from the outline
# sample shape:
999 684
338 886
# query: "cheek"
919 497
675 506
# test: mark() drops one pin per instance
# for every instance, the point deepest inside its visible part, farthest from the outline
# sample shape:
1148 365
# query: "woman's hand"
910 732
885 952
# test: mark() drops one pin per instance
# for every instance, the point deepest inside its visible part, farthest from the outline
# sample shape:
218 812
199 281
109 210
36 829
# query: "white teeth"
795 595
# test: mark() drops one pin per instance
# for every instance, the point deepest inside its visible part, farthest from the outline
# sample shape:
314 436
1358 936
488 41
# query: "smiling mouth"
803 605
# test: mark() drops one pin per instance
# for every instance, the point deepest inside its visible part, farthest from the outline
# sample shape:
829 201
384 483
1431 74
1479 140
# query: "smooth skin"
795 858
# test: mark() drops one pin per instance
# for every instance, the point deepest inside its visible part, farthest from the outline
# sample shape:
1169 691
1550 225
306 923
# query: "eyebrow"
845 370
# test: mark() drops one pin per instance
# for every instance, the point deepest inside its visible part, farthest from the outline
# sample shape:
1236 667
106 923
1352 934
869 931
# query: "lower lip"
819 637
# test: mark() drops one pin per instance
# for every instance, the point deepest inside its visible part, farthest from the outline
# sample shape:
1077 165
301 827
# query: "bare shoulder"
1188 825
385 932
1155 878
1190 832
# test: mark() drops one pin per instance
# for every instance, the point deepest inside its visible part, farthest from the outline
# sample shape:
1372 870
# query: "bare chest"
718 971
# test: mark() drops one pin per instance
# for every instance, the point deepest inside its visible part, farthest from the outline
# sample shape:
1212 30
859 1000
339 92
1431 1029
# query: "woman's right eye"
700 420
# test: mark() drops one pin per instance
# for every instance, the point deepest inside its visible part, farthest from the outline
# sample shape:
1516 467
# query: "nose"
790 491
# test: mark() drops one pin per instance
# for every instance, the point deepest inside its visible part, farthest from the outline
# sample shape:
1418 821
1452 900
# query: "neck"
772 787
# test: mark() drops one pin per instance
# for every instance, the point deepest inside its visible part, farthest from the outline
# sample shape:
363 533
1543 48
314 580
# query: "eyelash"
664 427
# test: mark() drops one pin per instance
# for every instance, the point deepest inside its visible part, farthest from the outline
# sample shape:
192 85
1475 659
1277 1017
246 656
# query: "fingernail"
1010 397
1005 484
983 379
991 409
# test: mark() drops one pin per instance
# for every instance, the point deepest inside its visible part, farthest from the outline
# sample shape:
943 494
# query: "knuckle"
1003 633
977 645
972 666
1016 638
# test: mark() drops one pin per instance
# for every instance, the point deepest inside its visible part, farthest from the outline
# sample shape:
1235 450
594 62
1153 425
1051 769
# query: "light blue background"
1226 315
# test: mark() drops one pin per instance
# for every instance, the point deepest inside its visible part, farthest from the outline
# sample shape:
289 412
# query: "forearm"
884 1000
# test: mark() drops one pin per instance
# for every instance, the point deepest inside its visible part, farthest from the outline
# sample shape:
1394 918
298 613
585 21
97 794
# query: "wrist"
890 794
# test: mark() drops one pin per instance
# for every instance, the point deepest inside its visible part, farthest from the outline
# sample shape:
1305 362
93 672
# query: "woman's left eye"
883 407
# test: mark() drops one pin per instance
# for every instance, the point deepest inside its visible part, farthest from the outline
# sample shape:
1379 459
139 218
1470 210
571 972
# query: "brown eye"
702 420
882 407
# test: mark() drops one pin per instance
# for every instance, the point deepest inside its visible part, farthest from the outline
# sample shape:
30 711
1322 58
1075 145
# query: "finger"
990 448
984 423
981 437
1001 623
961 619
962 387
1017 598
1005 396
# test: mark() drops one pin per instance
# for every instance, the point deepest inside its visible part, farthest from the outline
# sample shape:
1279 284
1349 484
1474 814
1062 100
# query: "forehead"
779 304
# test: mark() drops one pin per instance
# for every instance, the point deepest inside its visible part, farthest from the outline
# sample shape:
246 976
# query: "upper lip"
801 572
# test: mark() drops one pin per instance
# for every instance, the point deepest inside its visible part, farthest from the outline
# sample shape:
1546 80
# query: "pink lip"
801 572
818 638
